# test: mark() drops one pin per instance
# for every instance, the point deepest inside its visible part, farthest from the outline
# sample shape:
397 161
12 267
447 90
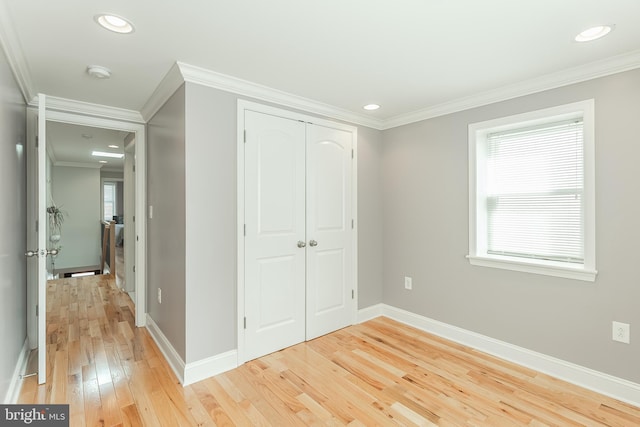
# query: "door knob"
30 254
301 244
313 243
52 251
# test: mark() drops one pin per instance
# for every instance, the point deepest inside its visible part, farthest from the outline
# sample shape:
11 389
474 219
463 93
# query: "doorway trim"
244 105
140 190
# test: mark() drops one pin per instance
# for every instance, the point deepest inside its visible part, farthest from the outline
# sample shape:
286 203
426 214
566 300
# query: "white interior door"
37 236
129 216
329 278
274 233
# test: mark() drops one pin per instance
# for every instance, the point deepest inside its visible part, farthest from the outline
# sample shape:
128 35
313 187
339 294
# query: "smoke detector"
98 72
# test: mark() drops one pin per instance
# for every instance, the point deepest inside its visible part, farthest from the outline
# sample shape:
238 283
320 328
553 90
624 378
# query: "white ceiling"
407 55
72 145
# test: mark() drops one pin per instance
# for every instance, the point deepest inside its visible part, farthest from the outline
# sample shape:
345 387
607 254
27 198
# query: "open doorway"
85 186
133 135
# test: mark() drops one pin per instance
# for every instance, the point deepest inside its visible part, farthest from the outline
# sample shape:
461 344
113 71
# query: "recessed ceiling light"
594 33
105 154
371 107
99 72
102 161
114 23
112 146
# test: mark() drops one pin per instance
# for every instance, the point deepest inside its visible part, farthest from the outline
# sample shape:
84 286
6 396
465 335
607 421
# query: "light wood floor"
377 373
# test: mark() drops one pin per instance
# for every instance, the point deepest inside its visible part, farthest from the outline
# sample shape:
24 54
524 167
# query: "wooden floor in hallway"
377 373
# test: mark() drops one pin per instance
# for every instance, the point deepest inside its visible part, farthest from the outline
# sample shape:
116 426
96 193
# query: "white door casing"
275 185
304 287
330 302
140 225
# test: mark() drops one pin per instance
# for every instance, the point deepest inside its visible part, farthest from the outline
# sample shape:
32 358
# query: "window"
108 200
531 197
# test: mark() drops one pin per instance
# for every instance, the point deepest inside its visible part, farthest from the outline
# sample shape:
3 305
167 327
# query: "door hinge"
37 141
134 168
245 230
352 154
353 294
245 323
134 268
37 310
36 225
134 218
245 136
137 238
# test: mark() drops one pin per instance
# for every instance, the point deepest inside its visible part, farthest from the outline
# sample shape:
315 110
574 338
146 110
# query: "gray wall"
74 191
203 188
13 211
425 215
369 217
166 230
211 221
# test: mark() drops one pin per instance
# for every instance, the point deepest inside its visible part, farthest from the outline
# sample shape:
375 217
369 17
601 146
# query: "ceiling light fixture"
98 72
105 154
594 33
371 107
102 161
112 146
114 23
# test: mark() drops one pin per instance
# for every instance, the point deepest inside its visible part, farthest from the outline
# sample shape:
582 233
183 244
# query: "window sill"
547 268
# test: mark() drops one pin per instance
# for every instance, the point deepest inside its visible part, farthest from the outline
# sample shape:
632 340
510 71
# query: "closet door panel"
329 248
275 223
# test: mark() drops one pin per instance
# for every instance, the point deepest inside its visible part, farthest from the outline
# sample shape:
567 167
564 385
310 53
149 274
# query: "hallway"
93 350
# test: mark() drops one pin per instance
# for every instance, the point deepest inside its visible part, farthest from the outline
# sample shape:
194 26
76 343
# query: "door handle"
301 244
37 253
313 243
30 254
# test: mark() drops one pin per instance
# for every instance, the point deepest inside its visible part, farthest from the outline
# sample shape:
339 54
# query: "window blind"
535 182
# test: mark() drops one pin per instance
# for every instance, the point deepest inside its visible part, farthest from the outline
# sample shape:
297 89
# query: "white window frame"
477 199
104 181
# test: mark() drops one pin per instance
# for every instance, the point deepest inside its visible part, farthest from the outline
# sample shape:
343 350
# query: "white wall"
13 209
77 192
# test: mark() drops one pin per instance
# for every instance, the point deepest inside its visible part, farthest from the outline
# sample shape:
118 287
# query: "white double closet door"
299 261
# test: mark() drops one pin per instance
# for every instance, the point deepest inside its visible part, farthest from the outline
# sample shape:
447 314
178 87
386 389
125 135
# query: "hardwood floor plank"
75 399
379 373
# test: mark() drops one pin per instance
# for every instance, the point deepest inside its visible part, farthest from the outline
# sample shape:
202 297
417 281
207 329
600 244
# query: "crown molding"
238 86
167 87
89 109
592 70
13 50
79 165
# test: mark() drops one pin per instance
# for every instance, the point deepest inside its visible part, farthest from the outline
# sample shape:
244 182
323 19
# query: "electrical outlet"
621 332
408 283
159 295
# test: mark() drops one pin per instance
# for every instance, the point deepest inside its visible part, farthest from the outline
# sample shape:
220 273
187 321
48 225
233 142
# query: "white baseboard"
370 312
190 373
600 382
170 353
214 365
16 380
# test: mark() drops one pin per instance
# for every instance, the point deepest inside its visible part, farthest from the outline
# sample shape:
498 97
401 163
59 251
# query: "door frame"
140 189
244 105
